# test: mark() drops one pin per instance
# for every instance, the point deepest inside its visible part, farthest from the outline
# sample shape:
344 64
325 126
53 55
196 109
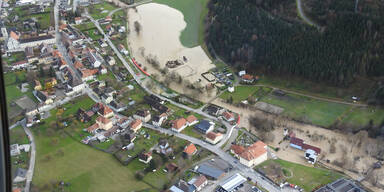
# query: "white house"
158 120
231 89
241 73
94 59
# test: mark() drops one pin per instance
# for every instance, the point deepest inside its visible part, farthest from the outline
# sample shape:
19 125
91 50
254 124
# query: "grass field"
63 158
243 92
101 10
194 12
308 110
306 177
362 116
17 135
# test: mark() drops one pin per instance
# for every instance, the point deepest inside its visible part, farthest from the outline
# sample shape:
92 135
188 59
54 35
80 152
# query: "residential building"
78 20
106 98
117 106
136 125
93 128
199 182
179 125
171 167
130 136
37 40
159 119
94 59
103 110
252 155
15 150
104 123
192 120
43 97
20 175
20 65
38 86
110 60
228 116
143 115
213 137
145 157
205 126
190 149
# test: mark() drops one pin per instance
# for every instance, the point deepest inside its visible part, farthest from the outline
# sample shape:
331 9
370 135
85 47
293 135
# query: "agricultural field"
305 177
194 12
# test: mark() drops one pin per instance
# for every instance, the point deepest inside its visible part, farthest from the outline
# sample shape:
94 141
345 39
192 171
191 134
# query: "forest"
251 34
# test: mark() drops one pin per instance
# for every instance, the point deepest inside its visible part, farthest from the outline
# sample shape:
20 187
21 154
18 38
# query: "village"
72 81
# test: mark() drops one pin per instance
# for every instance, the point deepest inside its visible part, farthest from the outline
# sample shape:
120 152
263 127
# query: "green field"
308 110
194 12
362 116
306 177
243 92
101 10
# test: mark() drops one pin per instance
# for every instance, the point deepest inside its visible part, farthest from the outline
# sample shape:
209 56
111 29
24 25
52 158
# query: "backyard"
305 177
243 92
101 10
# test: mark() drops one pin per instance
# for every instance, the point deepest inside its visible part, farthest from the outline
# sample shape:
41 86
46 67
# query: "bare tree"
137 26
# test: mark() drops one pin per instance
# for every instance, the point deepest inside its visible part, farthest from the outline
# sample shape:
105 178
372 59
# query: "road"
303 16
244 170
125 6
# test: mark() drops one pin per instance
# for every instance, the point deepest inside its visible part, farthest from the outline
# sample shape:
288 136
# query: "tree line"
244 34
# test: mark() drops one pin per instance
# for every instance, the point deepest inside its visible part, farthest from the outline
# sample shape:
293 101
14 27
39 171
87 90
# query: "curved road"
302 15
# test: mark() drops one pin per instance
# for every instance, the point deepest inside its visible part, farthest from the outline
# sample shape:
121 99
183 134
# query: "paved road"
245 171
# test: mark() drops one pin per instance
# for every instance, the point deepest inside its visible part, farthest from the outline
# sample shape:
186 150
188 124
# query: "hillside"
266 36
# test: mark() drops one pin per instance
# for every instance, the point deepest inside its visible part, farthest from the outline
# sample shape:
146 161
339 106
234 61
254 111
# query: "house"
311 156
13 41
102 43
159 119
20 175
231 89
199 182
111 131
214 110
92 129
84 116
205 126
228 116
94 59
164 147
20 65
117 106
136 125
300 144
108 18
88 74
341 185
122 49
104 123
241 73
145 157
190 149
38 86
110 60
103 110
130 136
106 98
247 78
43 97
78 20
192 120
15 150
103 70
171 167
210 172
252 155
143 115
186 187
213 137
179 125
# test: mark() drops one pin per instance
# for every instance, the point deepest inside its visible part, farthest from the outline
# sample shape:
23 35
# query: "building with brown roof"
192 120
136 125
104 123
179 125
252 155
228 116
190 149
213 137
93 128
